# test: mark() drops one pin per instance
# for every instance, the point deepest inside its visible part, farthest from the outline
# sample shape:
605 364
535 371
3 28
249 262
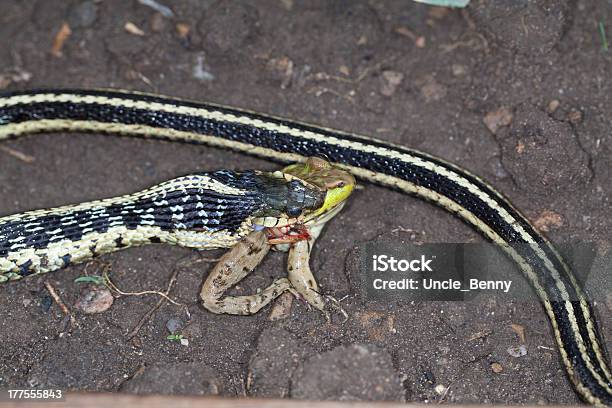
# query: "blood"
286 235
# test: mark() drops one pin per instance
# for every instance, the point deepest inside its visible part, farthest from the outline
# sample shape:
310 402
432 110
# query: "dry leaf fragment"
183 30
59 40
519 330
497 368
480 335
548 220
392 79
419 40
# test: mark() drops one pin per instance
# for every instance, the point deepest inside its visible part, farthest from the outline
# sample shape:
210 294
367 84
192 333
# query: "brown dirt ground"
333 63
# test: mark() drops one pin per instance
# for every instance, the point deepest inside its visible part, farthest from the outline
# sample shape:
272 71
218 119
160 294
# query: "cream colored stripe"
105 242
159 191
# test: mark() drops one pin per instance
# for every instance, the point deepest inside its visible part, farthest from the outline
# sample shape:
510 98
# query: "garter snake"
454 189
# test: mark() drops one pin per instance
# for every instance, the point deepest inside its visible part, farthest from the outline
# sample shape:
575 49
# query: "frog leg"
234 266
302 279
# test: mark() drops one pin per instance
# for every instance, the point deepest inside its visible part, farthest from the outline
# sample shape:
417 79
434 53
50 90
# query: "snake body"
127 113
202 211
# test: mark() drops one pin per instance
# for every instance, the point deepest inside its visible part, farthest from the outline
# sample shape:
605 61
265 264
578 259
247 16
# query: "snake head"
306 193
335 183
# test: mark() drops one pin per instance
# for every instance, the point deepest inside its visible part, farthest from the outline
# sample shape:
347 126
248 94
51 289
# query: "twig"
375 67
324 76
144 319
17 154
60 38
160 8
443 396
60 303
109 283
164 297
319 90
112 286
602 33
157 305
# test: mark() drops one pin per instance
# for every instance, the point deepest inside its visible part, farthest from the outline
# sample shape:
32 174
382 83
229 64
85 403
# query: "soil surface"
517 92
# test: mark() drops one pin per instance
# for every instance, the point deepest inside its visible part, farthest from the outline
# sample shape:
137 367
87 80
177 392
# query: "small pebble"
440 389
574 116
200 69
517 351
83 15
497 119
444 350
431 90
174 325
391 80
157 23
427 377
496 166
459 70
344 70
496 368
553 105
95 299
45 303
133 29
